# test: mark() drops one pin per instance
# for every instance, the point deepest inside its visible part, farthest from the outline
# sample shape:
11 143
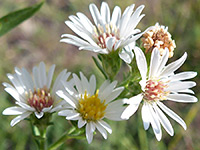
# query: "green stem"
43 139
63 138
39 129
34 135
99 67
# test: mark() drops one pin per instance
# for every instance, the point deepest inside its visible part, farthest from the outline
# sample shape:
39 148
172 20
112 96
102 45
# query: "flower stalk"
39 129
73 133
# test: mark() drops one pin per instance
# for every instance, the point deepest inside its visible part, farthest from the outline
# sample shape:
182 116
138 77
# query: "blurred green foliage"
13 19
37 39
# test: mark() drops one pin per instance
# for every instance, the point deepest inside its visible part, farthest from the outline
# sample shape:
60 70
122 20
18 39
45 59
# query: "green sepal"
111 63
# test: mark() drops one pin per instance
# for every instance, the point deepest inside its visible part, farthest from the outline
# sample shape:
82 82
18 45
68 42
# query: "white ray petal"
107 90
47 109
163 61
187 91
81 122
85 83
114 110
170 68
12 91
27 77
83 35
69 99
95 14
76 40
133 21
127 54
75 43
50 76
69 87
78 84
155 62
105 125
39 114
64 112
172 115
134 103
73 116
133 100
19 118
116 15
117 44
104 85
105 12
92 83
101 130
142 65
89 132
110 41
36 77
58 83
114 94
85 22
164 121
16 83
183 76
145 116
155 122
125 19
177 86
184 98
14 111
25 106
42 74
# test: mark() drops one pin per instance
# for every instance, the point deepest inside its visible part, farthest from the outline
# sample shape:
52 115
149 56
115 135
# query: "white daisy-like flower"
34 95
108 33
158 37
90 106
160 85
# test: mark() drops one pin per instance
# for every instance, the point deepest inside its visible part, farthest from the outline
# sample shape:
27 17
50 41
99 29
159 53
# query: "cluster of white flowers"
79 99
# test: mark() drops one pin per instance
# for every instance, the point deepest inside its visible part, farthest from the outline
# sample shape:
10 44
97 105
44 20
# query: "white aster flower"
160 85
90 106
158 37
108 33
34 95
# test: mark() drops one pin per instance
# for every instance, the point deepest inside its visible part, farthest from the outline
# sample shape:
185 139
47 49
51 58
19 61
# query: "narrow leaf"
100 67
13 19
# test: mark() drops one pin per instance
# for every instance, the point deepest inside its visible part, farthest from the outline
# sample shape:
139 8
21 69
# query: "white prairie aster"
90 106
109 33
160 85
34 95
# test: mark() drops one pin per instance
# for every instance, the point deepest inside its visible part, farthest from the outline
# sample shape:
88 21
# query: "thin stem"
39 133
43 139
34 135
63 138
99 67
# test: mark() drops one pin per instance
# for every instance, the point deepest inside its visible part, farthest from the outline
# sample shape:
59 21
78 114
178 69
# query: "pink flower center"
155 90
102 33
39 99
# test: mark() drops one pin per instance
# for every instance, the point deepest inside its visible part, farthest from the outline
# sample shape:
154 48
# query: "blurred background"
37 39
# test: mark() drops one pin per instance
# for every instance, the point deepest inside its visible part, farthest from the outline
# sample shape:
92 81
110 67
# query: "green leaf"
99 66
13 19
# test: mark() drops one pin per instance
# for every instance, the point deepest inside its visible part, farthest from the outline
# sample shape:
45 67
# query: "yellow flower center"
91 108
39 99
155 90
